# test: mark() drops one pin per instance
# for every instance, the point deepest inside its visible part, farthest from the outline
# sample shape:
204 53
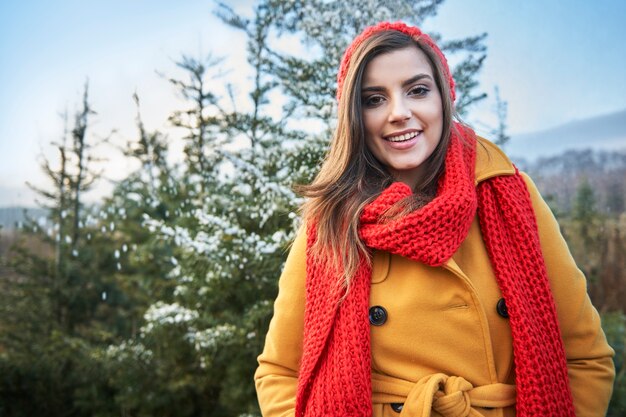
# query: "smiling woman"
430 277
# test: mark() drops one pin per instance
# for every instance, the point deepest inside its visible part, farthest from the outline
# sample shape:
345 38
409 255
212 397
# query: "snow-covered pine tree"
234 220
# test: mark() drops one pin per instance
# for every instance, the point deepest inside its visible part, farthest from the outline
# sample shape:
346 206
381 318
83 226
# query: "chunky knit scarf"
335 371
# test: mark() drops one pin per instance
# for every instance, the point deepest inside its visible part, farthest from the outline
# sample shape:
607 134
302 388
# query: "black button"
397 407
501 308
378 316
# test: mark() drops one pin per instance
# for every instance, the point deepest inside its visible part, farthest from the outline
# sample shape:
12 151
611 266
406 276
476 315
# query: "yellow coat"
443 321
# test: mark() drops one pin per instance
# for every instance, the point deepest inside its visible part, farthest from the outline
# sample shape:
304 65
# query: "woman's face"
402 112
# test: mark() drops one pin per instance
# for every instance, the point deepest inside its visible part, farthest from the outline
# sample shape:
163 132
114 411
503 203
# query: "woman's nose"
399 111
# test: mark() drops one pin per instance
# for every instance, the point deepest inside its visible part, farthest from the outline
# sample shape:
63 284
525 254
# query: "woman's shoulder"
491 161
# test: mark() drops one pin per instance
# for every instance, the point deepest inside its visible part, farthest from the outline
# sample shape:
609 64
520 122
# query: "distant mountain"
607 132
10 217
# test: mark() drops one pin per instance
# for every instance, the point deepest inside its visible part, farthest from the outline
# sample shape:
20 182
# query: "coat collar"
491 161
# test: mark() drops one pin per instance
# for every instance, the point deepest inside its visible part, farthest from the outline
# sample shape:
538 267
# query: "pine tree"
584 211
229 232
500 136
51 316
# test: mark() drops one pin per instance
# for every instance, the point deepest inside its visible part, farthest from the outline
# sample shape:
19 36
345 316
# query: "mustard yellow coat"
443 322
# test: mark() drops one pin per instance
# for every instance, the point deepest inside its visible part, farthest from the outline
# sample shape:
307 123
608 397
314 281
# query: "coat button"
378 316
502 309
397 407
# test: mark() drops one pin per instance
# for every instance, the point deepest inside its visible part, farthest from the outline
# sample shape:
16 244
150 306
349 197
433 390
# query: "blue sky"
554 61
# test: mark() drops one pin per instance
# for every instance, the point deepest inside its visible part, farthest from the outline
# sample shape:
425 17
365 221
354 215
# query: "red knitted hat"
412 31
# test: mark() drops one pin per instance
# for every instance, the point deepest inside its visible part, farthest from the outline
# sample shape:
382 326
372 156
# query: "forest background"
153 298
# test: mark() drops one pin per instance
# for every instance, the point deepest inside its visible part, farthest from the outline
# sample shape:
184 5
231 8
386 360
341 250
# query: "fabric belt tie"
449 396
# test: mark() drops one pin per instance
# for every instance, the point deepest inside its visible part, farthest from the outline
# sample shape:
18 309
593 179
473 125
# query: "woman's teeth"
402 138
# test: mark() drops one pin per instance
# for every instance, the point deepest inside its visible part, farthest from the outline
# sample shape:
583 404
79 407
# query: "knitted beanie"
412 31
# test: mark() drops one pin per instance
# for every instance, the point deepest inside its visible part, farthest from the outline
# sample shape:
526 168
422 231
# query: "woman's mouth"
403 137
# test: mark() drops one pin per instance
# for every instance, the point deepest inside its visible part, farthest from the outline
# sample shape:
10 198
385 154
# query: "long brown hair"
350 176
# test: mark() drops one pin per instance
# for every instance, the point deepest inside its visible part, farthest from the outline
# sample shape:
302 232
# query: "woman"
430 278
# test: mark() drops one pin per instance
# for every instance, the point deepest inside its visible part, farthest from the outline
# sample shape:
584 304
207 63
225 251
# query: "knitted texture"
335 370
509 228
412 31
417 235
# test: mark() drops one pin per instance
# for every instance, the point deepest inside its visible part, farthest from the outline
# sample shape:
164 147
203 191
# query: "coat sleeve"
589 356
276 377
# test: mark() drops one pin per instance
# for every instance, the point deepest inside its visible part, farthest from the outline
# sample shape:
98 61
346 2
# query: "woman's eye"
372 101
419 90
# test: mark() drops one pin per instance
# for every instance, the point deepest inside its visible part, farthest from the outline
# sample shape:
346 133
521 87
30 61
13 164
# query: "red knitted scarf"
335 371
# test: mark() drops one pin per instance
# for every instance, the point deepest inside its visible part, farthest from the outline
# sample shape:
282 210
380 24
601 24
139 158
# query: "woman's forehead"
396 66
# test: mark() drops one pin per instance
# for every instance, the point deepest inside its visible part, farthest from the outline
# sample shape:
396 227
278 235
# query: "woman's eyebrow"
404 83
416 78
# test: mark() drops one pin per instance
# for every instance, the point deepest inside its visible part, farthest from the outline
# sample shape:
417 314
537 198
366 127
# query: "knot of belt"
449 396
